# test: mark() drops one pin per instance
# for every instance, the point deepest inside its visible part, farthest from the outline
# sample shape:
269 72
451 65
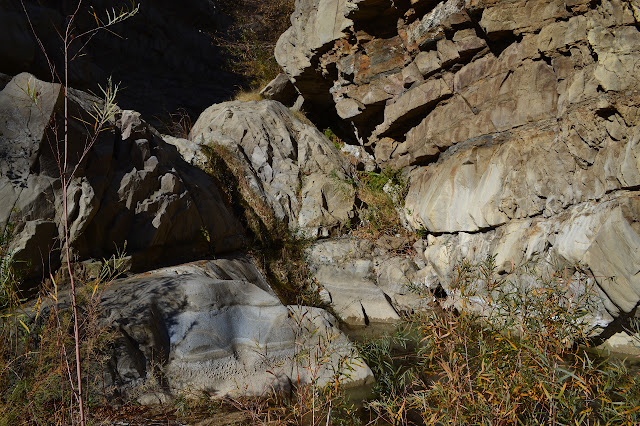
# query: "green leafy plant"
382 196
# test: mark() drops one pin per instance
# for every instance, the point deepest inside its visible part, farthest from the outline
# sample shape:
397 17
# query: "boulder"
129 187
216 326
288 163
365 283
280 89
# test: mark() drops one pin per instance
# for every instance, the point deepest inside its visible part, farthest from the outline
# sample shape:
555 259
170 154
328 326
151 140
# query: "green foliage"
422 232
337 142
382 195
514 355
8 278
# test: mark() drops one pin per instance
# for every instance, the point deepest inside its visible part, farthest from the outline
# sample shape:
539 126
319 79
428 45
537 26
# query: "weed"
381 196
177 124
248 95
516 360
37 349
320 367
337 142
250 41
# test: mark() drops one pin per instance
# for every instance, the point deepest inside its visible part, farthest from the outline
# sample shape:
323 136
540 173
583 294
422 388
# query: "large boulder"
288 163
129 187
216 326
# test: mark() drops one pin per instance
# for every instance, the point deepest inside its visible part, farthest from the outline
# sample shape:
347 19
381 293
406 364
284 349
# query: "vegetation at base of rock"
37 352
337 142
522 360
276 249
381 195
9 295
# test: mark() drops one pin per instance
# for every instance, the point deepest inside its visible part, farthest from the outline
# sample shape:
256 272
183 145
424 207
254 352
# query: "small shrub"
337 142
382 196
518 360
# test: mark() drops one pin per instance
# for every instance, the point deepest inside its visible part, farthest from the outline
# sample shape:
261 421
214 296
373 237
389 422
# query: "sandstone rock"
216 326
622 344
582 235
290 164
524 112
130 186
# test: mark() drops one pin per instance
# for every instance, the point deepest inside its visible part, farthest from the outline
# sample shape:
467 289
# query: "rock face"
217 326
365 283
130 186
166 45
518 120
289 164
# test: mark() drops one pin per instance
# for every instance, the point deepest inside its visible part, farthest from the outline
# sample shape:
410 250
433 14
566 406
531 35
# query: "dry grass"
521 362
248 95
250 41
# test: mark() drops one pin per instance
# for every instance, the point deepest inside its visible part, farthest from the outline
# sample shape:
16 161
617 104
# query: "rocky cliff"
516 122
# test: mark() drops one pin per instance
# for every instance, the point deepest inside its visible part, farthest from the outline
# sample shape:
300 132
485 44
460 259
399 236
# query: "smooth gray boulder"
130 186
216 326
288 163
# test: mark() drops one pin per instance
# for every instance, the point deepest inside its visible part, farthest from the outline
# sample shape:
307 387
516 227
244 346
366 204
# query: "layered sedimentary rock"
128 185
517 121
366 282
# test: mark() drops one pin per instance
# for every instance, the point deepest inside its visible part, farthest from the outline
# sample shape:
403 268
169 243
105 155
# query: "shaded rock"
4 79
165 45
290 165
280 89
130 186
216 326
